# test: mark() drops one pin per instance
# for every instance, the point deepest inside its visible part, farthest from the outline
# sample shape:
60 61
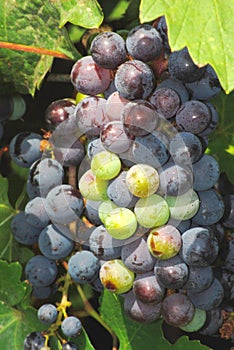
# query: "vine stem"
33 49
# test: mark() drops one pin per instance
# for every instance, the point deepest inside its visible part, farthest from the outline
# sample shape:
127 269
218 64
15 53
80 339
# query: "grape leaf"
206 29
114 10
137 336
35 24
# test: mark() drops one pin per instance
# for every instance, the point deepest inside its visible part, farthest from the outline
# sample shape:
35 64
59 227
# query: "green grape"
164 242
121 223
92 187
19 107
142 180
116 277
183 207
197 321
152 211
105 165
104 209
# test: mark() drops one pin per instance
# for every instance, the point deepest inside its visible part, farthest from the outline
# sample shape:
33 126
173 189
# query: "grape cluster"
146 209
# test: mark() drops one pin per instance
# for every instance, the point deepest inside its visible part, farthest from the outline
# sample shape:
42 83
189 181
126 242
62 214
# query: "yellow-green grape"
152 211
121 223
164 242
80 96
183 207
105 165
197 321
104 209
92 187
142 180
116 277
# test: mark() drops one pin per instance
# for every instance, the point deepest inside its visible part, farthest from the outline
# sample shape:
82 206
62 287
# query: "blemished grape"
183 207
136 256
108 50
70 346
141 312
71 326
200 278
23 231
105 165
144 43
105 208
177 310
147 288
35 213
142 180
166 101
115 105
41 271
152 211
205 173
116 277
88 77
185 148
53 244
24 148
34 341
92 187
197 321
47 313
164 242
58 111
115 138
83 267
134 80
121 223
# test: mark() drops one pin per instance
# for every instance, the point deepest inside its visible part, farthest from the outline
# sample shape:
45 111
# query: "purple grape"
58 111
115 138
35 213
147 288
23 231
205 173
166 101
200 278
41 271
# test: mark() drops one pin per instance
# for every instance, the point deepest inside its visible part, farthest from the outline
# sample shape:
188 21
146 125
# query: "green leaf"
206 29
83 341
36 24
85 13
137 336
114 10
222 140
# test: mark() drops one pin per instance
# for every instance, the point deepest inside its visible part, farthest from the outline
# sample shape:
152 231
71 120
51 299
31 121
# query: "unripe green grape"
116 277
152 211
183 207
164 242
121 223
104 209
197 321
142 180
92 187
105 165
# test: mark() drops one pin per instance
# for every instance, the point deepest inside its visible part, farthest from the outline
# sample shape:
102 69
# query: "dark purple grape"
115 138
185 148
177 86
23 232
34 341
147 289
162 29
228 217
214 321
200 278
70 346
58 111
213 122
205 173
166 101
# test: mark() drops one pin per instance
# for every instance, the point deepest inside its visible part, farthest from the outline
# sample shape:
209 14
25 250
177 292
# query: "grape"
71 326
229 259
162 29
141 312
200 278
71 155
92 187
66 133
197 321
200 247
116 277
205 173
115 105
137 257
164 242
41 292
97 285
144 43
108 50
114 137
91 211
152 211
142 180
22 231
64 204
185 148
34 341
89 78
12 107
53 244
121 223
211 208
134 80
95 146
103 245
105 165
214 321
105 208
171 273
177 86
166 101
70 346
35 213
41 271
209 298
24 148
213 122
177 310
147 288
91 115
58 111
183 207
182 67
83 267
193 116
47 313
119 193
139 118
